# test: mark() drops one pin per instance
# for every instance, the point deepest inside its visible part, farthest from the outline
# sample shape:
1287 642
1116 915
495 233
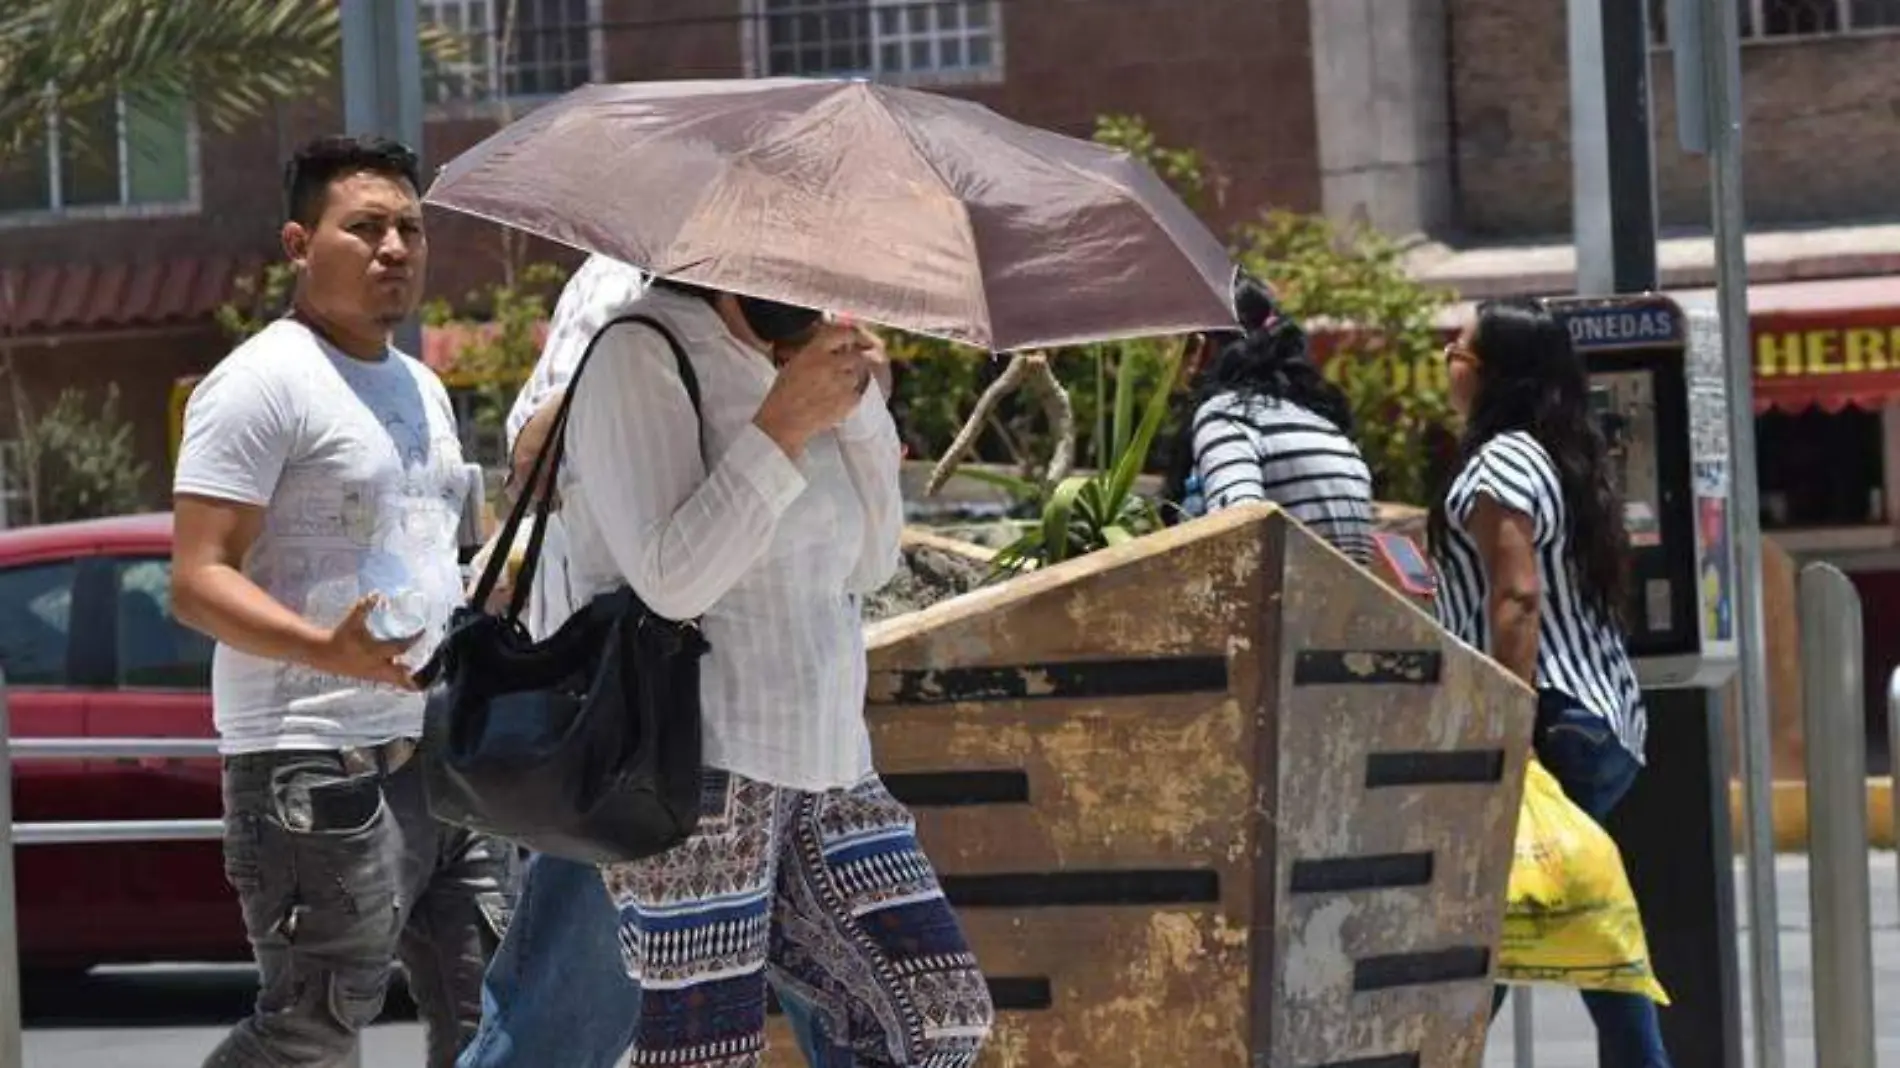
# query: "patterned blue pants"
826 896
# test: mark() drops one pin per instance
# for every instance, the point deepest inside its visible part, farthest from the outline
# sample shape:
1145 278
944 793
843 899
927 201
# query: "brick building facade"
90 288
1820 118
1445 117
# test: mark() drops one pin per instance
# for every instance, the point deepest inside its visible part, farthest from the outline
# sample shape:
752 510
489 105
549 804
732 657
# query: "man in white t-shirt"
315 509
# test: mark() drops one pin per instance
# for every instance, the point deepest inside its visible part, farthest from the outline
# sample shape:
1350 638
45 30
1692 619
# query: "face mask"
775 323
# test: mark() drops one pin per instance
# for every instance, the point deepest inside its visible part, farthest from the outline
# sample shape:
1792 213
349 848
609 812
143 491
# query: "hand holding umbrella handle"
816 389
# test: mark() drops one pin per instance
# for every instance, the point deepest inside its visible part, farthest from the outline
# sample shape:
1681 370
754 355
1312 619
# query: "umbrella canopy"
904 208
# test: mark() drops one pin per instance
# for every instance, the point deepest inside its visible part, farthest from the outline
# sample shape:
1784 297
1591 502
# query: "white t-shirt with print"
358 467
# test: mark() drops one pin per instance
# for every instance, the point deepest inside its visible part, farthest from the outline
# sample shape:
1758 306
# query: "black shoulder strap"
551 454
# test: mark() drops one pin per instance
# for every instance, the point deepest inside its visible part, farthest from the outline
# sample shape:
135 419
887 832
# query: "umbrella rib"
1102 179
706 191
969 227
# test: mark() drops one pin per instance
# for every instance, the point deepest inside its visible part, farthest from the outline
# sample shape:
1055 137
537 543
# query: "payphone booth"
1658 392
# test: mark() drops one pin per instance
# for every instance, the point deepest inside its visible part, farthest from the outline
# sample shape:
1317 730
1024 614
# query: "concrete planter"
1163 782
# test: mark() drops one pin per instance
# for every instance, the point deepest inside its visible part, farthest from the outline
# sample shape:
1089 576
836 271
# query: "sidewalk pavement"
1565 1039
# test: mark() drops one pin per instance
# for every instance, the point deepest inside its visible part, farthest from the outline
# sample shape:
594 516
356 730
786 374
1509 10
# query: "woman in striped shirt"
1266 426
1530 548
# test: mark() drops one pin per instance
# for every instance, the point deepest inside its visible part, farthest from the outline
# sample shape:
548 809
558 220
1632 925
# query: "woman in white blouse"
767 518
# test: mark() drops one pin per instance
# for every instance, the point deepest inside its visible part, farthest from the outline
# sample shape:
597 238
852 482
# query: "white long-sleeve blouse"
771 555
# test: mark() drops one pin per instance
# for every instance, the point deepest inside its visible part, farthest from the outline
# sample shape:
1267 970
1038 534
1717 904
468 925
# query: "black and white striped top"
1580 651
1252 448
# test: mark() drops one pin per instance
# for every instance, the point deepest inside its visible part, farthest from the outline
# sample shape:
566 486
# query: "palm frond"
231 58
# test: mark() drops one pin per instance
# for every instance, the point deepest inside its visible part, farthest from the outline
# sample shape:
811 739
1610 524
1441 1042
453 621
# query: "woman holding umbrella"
911 211
804 870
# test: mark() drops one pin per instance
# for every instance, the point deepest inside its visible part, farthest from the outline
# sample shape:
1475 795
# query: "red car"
90 648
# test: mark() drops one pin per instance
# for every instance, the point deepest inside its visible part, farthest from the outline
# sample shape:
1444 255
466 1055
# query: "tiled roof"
55 298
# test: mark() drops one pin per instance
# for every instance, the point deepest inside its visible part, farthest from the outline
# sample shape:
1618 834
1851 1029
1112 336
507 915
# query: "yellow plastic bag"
1570 917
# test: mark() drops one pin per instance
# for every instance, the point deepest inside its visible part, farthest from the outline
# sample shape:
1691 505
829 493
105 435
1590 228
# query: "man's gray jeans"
340 876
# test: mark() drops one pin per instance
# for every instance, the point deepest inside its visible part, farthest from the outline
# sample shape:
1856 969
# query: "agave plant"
1083 513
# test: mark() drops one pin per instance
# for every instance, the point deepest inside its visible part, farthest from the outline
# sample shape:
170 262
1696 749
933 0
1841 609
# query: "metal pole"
12 1053
1687 38
382 91
1630 156
111 748
1893 757
1613 170
88 832
1523 1027
1721 53
1832 693
1592 214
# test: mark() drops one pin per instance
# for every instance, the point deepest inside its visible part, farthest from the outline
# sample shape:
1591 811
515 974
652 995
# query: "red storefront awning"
1826 343
1829 344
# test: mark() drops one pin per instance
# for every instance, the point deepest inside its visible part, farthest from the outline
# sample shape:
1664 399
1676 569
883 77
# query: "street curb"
1790 803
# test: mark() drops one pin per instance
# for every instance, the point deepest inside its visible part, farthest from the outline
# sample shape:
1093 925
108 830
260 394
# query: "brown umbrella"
903 208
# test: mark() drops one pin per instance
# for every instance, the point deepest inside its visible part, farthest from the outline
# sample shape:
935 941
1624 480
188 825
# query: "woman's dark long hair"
1267 358
1530 378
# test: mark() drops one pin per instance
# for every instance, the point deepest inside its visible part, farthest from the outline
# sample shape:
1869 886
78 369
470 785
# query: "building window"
549 49
1821 469
119 153
1772 19
894 40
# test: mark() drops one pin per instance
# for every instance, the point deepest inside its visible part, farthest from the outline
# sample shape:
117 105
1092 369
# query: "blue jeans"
559 985
1583 754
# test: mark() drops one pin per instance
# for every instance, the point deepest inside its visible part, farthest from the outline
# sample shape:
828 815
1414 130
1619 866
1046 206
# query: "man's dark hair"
319 162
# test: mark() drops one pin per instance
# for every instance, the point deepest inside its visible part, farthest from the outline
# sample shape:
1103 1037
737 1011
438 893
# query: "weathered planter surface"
1214 798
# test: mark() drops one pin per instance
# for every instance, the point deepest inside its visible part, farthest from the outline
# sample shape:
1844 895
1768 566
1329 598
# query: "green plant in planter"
1084 513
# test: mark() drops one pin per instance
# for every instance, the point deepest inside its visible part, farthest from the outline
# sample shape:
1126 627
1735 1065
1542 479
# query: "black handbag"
585 745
